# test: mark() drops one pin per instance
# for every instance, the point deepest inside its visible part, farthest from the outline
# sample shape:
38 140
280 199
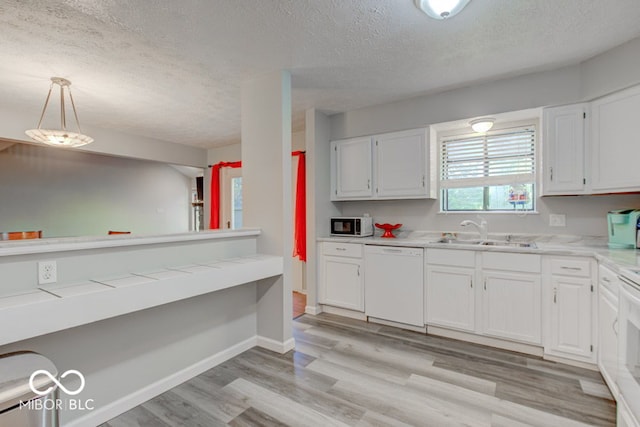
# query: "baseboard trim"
413 328
276 346
343 312
313 310
567 361
138 397
489 341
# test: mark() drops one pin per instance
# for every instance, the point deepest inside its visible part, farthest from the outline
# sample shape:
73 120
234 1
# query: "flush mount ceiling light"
482 125
60 137
441 9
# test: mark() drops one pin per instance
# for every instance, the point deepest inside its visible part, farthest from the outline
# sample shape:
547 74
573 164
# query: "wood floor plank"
136 417
210 398
397 401
252 418
174 411
374 419
470 399
305 393
596 389
279 407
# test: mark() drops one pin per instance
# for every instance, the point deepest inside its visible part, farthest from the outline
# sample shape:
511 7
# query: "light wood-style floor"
348 372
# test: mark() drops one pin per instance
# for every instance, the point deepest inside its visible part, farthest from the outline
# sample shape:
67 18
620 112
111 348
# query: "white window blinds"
501 157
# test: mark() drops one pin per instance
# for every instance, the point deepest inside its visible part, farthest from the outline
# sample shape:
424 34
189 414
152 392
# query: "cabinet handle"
551 169
555 295
358 271
341 249
564 267
614 326
423 180
606 279
471 283
485 284
368 184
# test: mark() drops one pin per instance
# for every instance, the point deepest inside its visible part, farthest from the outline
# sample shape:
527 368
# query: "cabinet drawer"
608 279
353 250
571 267
452 257
524 263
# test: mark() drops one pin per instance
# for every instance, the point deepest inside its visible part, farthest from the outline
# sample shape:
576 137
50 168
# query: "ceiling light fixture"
482 125
441 9
60 137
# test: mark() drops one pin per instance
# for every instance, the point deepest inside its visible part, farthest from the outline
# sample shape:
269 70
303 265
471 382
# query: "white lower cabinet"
570 304
571 316
449 289
342 276
511 306
503 303
608 327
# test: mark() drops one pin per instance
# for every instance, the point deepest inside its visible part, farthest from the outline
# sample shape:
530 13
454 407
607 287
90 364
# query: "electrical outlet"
557 220
47 272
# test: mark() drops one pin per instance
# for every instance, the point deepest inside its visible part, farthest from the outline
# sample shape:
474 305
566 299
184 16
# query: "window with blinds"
492 171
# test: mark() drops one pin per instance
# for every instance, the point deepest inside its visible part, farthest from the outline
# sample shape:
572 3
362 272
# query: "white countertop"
35 246
563 245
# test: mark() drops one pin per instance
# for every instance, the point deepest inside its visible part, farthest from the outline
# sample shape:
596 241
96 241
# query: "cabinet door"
449 297
615 142
342 282
511 306
564 149
352 164
401 164
608 338
571 317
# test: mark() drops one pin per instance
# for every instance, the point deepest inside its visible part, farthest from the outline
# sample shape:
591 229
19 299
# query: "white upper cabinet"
564 150
615 142
386 166
401 164
351 169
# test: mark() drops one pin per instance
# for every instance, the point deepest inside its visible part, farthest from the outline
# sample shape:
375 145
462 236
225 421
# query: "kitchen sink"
510 244
459 242
498 243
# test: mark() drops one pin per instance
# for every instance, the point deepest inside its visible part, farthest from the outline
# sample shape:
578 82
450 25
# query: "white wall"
612 70
73 193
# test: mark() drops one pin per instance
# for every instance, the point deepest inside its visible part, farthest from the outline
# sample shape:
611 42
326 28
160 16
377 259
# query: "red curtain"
300 220
214 221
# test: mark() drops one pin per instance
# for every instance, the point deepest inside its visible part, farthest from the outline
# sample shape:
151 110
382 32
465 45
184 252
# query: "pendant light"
441 9
60 137
482 125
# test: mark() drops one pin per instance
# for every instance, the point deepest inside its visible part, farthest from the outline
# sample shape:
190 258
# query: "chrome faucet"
482 227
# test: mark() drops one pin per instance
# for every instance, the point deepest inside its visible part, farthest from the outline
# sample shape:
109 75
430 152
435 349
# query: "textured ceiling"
172 70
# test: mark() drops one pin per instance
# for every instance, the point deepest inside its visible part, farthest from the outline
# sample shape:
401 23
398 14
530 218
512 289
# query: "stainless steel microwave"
352 226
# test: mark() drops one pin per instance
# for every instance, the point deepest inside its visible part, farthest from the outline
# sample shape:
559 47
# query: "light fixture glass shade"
60 137
482 125
441 9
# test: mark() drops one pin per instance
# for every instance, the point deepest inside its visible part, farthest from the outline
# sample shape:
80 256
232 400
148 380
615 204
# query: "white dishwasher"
394 288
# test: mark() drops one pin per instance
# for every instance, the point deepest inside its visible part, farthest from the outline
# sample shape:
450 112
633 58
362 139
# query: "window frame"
465 132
